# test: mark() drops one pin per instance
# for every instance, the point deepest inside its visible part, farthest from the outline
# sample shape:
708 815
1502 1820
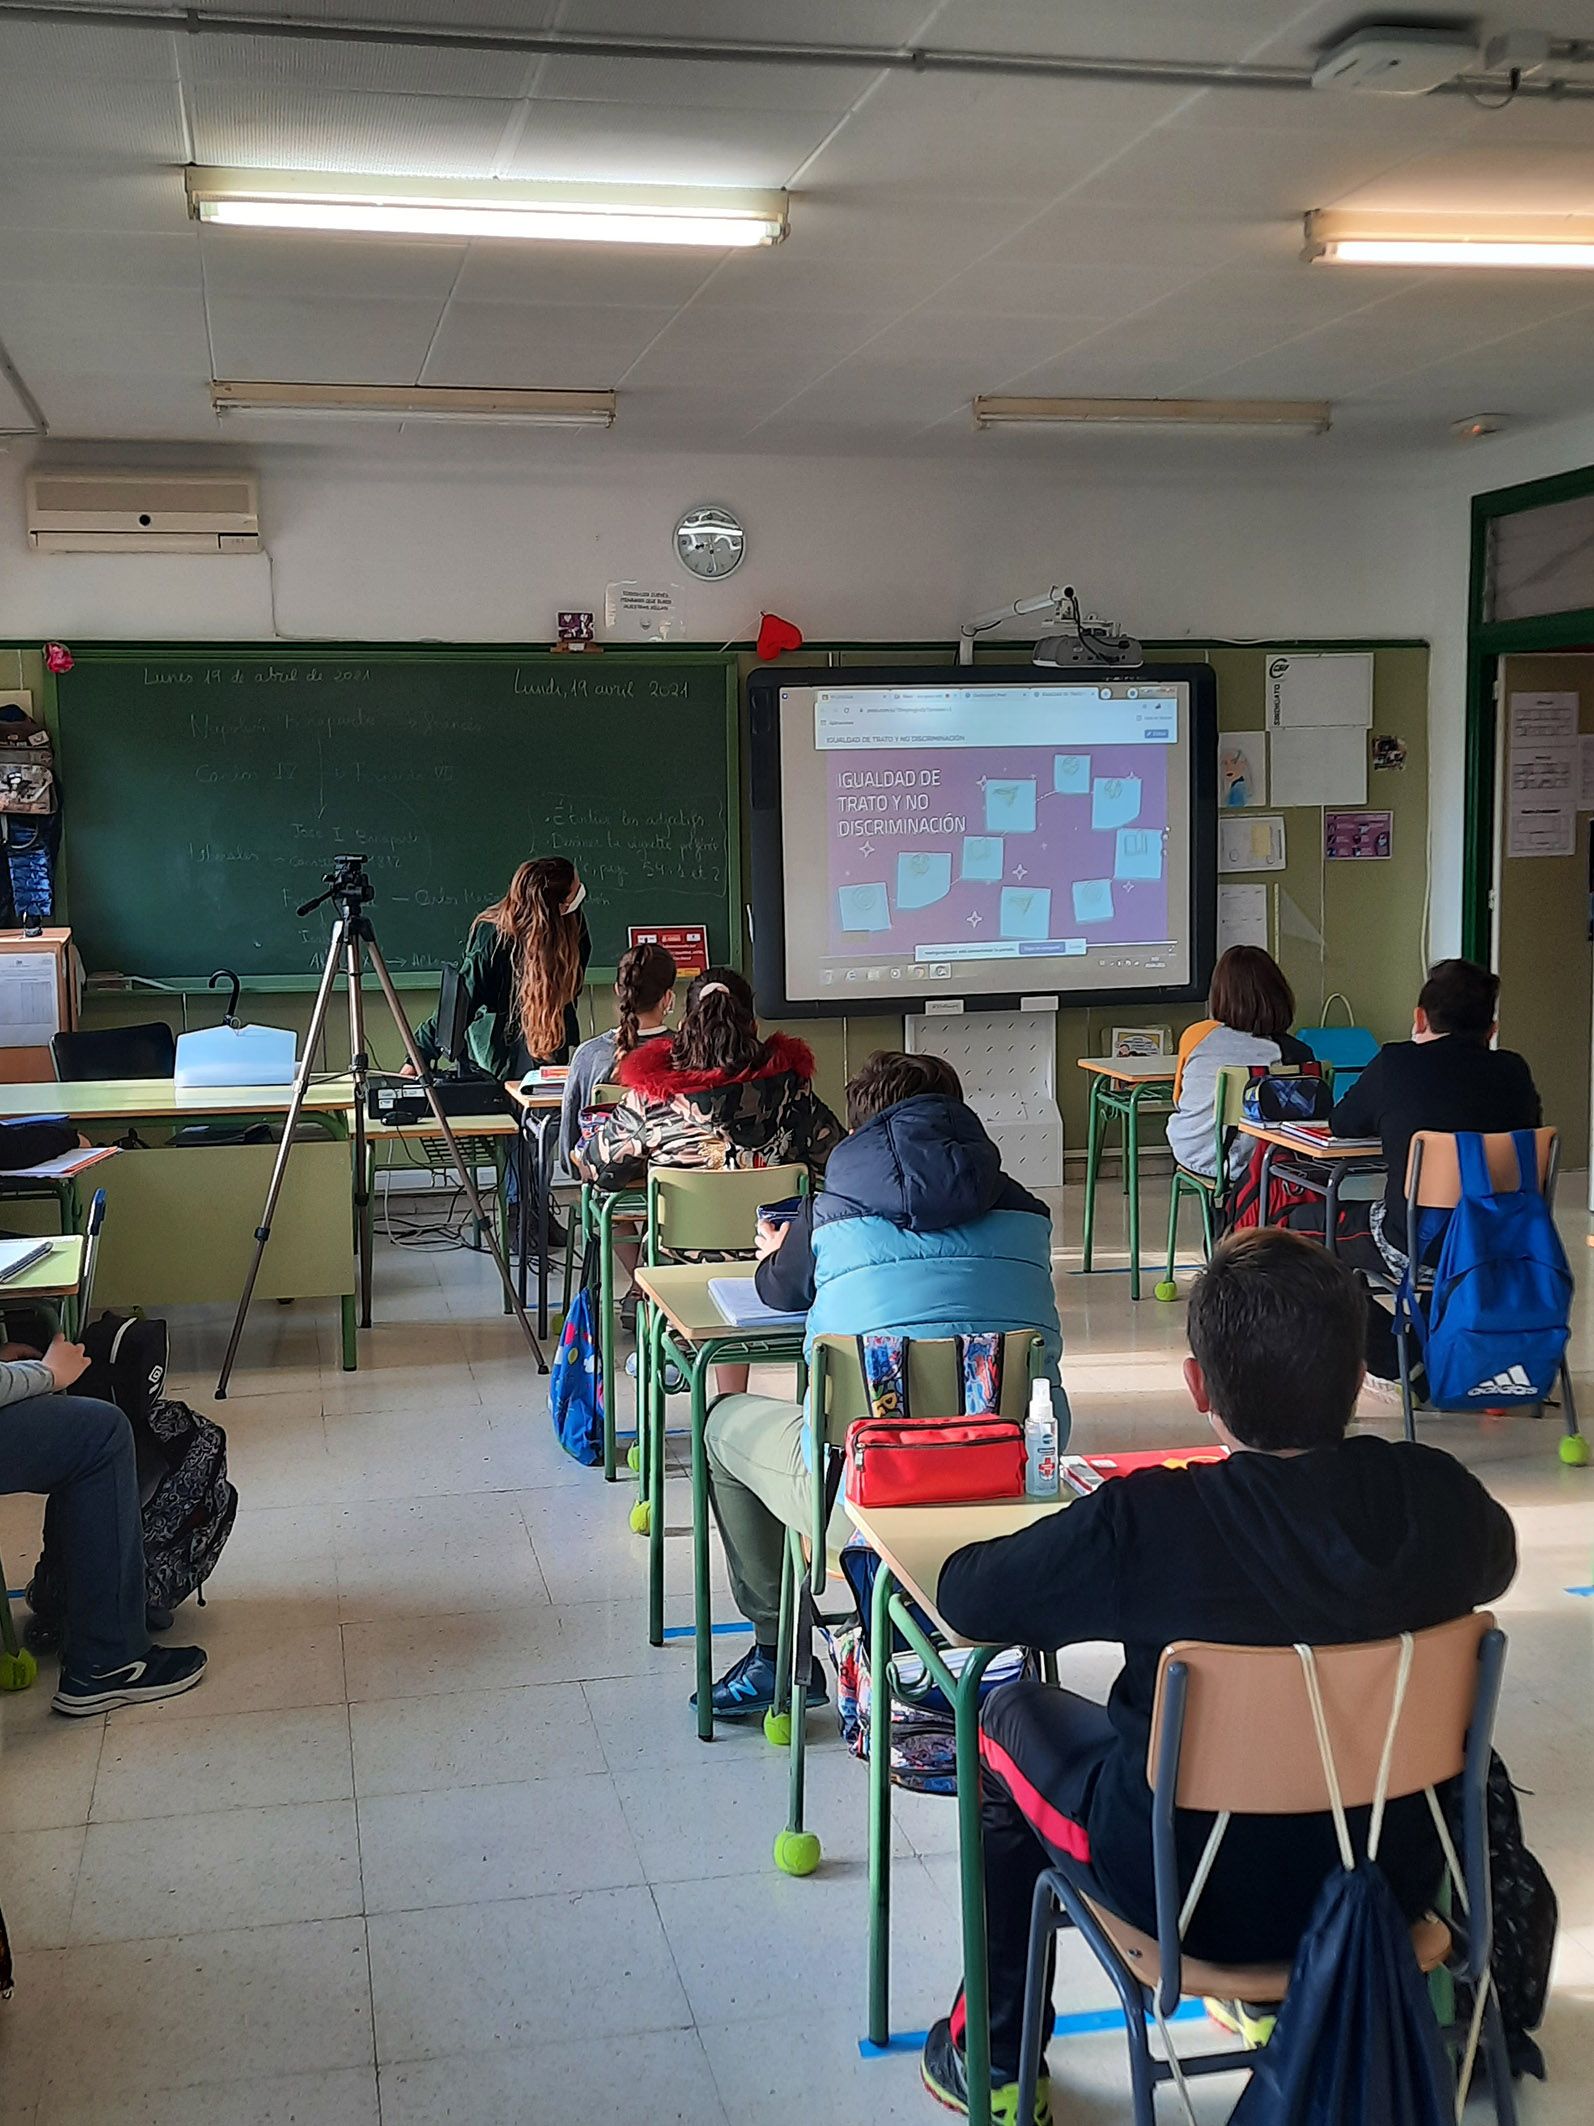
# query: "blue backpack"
576 1387
1499 1314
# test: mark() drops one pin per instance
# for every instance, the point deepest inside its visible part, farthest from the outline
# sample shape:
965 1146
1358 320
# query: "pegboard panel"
1007 1061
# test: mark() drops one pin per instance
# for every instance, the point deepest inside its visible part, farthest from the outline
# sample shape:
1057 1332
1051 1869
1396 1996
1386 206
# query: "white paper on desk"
1320 766
63 1166
29 1006
1541 826
1242 917
1311 692
1250 841
1533 716
1543 767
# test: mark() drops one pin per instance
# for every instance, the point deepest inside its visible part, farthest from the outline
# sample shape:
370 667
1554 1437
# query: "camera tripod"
349 889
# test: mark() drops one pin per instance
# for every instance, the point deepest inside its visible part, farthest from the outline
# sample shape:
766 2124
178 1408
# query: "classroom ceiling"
951 233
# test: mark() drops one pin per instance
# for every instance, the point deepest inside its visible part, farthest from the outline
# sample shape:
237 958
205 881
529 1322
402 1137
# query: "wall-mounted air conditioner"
72 512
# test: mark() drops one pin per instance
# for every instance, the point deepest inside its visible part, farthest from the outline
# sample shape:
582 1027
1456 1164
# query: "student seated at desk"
1301 1537
919 1232
1251 1005
80 1453
644 995
1446 1077
524 963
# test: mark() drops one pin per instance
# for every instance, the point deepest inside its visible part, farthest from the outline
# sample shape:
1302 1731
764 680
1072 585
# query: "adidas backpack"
1499 1314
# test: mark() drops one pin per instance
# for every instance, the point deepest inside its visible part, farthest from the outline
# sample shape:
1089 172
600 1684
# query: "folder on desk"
19 1255
738 1301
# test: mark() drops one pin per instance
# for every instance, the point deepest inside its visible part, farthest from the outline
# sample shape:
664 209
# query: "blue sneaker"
164 1672
749 1687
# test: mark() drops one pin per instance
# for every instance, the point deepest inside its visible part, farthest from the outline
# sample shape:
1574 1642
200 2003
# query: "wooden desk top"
55 1277
494 1125
916 1541
1330 1148
1132 1070
540 1099
159 1100
680 1290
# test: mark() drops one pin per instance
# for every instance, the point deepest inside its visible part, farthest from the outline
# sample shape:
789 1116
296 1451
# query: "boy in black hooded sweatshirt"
1302 1535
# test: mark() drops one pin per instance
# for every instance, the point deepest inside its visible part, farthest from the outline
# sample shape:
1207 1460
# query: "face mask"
575 899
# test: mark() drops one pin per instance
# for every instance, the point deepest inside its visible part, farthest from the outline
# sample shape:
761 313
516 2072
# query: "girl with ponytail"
524 965
644 995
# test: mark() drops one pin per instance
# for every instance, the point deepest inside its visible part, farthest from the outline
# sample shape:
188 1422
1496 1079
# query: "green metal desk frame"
1126 1102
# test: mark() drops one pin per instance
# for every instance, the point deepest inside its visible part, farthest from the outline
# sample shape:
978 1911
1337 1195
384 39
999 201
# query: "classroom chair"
1433 1183
711 1214
1211 1191
1345 1050
1345 1724
837 1398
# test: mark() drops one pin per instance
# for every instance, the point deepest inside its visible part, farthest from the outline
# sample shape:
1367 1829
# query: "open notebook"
19 1255
739 1304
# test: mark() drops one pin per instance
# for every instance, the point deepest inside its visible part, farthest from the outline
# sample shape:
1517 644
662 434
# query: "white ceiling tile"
97 258
703 84
1204 177
1089 232
37 195
618 143
1527 180
319 129
814 22
1019 288
514 272
90 120
334 341
135 332
416 14
55 52
573 346
269 64
1194 29
121 407
15 417
304 264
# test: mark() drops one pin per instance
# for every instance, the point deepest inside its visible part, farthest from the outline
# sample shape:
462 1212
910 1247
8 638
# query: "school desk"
539 1108
684 1327
1125 1087
509 1151
180 1228
1339 1162
913 1543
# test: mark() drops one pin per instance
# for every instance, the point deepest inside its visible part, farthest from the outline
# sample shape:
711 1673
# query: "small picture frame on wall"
1141 1041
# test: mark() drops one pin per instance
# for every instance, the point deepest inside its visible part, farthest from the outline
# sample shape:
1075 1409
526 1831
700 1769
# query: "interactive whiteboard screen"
944 836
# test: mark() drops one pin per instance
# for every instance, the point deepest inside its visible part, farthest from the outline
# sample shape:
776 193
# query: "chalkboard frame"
208 652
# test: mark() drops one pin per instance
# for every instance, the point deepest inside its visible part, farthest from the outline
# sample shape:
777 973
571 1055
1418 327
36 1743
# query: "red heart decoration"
57 657
775 635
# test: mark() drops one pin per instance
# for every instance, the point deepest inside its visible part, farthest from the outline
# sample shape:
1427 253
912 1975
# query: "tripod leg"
279 1170
359 1066
467 1177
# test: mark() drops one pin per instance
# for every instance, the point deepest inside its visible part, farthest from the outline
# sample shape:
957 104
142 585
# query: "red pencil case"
934 1461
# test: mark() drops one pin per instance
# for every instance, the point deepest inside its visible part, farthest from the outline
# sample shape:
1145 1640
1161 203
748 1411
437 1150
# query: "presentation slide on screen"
958 840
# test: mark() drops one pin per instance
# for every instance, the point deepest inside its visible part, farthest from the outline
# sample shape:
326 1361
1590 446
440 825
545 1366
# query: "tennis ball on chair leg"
633 1459
1165 1288
777 1732
796 1852
18 1671
1574 1451
642 1518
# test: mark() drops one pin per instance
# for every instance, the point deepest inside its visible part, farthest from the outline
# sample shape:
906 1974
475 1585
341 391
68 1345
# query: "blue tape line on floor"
716 1631
1085 2022
1121 1269
1581 1590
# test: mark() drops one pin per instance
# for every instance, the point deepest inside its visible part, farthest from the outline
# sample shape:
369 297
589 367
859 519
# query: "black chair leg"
1037 1996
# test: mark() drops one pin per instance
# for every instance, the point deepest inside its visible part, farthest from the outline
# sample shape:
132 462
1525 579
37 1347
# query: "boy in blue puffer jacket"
917 1232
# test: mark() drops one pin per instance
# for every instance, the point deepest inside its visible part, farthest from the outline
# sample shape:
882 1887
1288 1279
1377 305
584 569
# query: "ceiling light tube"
710 219
420 402
1312 416
1352 237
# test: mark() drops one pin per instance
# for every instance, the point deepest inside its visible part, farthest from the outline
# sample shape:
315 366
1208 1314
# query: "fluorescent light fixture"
1348 236
710 219
418 402
1310 415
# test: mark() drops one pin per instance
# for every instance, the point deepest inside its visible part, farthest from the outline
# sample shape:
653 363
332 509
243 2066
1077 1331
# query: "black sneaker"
944 2073
164 1672
748 1689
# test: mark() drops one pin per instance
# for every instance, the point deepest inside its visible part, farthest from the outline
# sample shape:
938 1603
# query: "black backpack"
1526 1915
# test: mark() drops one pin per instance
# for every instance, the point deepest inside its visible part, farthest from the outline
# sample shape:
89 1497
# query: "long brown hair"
720 1030
643 979
1249 992
544 948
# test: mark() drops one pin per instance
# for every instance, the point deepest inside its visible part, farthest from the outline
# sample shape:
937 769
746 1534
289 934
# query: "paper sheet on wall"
1540 826
1311 692
1250 841
643 612
1543 767
1321 765
1242 769
1242 917
1535 716
29 1009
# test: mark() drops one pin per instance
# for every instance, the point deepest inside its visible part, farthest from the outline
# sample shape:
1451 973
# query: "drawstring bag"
576 1387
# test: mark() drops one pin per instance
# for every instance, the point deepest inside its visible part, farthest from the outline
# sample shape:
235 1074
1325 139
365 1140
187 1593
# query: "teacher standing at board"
525 960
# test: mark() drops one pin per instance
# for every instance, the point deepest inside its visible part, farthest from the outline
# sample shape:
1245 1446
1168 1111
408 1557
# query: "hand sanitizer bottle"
1040 1444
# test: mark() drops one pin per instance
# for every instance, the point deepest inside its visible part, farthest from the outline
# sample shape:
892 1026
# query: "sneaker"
164 1672
1251 2023
628 1307
748 1689
1383 1392
674 1378
944 2072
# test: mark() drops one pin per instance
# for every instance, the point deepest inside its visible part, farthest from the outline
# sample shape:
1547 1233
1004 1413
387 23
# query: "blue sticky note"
1139 853
1026 911
1071 774
864 907
1093 900
923 877
983 857
1010 806
1115 801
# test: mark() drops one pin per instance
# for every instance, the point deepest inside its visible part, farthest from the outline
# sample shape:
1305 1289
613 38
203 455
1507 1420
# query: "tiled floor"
436 1841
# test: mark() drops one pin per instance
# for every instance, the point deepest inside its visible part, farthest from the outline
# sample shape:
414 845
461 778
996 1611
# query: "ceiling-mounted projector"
1089 650
1385 61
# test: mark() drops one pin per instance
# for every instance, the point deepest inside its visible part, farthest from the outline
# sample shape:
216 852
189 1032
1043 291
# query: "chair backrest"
934 1389
691 1208
1233 1694
1433 1171
148 1051
606 1096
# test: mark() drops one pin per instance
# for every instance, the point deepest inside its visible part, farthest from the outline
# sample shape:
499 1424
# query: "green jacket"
493 1041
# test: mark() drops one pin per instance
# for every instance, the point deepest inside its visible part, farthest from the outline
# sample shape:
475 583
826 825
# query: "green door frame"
1487 642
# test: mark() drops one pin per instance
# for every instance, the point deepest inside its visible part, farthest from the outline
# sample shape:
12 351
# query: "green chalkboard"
205 792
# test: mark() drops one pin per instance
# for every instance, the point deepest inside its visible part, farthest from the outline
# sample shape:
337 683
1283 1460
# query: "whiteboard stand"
1007 1061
